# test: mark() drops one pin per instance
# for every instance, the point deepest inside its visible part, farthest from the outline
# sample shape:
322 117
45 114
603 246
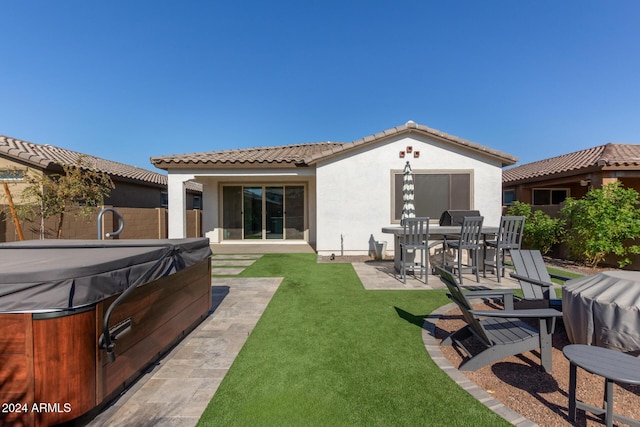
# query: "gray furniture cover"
45 275
603 310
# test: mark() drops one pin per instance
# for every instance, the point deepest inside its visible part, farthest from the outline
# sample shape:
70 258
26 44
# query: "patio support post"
177 206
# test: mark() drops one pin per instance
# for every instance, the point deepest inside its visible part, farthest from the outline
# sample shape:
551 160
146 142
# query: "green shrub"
602 223
540 230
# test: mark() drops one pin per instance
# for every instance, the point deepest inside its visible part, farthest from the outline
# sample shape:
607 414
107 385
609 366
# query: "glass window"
11 175
549 196
435 193
508 197
294 214
252 212
232 212
197 202
558 196
274 205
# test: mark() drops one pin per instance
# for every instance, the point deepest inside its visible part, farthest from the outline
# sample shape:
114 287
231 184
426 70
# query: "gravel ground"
520 383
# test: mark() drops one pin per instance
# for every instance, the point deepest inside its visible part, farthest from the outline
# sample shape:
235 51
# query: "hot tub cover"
46 275
603 310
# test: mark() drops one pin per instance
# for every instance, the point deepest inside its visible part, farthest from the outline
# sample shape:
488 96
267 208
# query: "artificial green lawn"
560 282
328 352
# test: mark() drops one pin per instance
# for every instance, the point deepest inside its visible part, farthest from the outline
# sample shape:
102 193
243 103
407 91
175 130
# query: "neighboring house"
134 187
547 183
335 196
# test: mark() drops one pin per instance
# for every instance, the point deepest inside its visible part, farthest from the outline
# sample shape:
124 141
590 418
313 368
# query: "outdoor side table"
613 365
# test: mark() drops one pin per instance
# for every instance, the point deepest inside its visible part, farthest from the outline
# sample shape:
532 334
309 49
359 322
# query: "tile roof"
284 154
608 155
306 154
46 156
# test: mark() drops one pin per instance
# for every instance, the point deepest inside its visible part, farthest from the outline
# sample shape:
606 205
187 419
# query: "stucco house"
134 187
334 196
546 183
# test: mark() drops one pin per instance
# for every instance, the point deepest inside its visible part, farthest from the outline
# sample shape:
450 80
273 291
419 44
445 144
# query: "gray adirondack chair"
503 333
535 280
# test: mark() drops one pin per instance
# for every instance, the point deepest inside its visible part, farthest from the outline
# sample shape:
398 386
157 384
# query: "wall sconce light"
416 154
402 154
585 182
409 149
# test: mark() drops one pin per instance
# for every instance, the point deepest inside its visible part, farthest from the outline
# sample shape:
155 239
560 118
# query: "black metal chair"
415 242
469 240
509 237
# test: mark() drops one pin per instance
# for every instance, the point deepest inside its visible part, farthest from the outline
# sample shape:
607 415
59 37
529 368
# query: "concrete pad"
235 256
226 271
232 263
381 275
274 247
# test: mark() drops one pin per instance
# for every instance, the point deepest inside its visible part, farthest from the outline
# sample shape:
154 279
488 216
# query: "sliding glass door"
252 216
274 215
273 212
294 201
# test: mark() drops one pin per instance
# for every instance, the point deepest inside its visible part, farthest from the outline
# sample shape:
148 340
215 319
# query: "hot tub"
59 297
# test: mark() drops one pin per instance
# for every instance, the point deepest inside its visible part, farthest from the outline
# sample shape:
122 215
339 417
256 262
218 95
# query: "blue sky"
127 80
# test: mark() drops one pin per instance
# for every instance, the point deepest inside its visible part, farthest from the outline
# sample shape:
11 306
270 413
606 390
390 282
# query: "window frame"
396 172
513 199
12 175
197 202
164 199
566 190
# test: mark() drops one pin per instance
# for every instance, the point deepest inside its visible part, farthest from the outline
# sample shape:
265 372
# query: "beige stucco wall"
354 191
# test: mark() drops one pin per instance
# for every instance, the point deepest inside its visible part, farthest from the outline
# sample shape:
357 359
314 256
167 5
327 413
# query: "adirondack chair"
503 333
535 280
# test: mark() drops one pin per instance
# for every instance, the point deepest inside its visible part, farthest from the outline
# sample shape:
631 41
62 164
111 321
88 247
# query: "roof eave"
504 158
171 164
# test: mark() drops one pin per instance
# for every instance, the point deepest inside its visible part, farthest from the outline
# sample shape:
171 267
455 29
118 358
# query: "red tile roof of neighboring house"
47 156
306 154
608 155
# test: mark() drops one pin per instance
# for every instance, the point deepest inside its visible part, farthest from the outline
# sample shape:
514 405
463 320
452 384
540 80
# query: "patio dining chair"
415 243
509 237
469 240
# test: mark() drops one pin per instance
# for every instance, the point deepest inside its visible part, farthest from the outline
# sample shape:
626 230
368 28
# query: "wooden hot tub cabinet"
52 369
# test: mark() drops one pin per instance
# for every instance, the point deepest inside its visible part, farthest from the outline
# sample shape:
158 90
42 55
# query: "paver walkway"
224 264
176 391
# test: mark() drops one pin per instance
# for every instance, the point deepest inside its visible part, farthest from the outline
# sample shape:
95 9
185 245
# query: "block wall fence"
139 223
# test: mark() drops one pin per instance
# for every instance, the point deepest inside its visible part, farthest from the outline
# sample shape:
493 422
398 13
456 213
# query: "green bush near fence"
605 221
540 230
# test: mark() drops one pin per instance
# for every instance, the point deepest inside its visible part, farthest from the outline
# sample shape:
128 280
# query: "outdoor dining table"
604 310
436 232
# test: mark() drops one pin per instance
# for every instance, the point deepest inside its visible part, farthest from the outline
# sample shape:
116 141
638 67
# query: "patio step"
231 265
